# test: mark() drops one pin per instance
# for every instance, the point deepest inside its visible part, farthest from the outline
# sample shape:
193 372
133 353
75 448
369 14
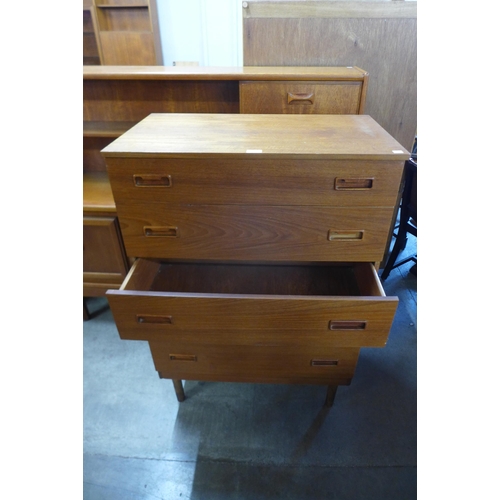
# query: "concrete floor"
250 441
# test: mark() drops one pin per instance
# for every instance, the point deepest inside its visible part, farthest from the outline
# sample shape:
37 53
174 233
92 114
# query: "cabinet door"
104 261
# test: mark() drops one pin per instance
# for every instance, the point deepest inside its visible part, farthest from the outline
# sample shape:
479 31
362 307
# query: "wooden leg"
179 390
330 395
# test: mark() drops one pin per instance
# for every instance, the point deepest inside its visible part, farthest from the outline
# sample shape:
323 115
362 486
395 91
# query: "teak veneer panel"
239 232
265 136
307 97
253 363
254 181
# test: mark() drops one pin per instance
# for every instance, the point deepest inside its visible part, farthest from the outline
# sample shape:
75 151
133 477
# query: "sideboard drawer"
309 364
249 233
292 306
254 181
300 97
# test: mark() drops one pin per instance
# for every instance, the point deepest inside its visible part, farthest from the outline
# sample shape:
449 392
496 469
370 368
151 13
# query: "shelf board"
105 129
97 194
124 6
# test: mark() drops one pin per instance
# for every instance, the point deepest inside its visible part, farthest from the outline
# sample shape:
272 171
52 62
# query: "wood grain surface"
240 135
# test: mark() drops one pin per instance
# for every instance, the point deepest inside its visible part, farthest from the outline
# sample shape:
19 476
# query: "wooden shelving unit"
91 48
127 32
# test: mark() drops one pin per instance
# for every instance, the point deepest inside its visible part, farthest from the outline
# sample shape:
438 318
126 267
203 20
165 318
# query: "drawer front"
222 320
300 97
191 361
237 232
261 182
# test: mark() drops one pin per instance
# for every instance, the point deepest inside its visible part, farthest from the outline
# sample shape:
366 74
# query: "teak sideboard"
257 237
117 97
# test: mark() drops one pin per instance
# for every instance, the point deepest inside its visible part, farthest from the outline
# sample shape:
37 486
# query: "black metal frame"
407 219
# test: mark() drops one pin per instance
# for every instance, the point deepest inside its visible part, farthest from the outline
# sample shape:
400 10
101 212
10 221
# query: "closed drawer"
292 306
254 181
265 233
309 364
300 97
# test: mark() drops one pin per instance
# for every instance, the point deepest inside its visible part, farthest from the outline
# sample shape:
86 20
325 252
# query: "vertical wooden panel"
379 37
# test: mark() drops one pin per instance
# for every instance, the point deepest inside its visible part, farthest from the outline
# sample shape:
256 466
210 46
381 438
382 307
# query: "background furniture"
116 97
379 36
121 32
91 47
256 237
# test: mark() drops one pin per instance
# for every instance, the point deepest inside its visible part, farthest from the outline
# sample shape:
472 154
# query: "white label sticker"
254 150
397 151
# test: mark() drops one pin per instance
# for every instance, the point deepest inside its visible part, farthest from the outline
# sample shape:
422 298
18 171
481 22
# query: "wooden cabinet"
104 264
115 98
104 261
124 32
257 237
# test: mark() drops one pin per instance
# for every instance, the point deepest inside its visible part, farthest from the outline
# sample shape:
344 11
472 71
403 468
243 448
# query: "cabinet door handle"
183 357
347 325
154 318
161 231
301 97
324 362
147 180
343 184
345 235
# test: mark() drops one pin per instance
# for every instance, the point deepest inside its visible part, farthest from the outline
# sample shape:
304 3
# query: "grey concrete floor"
250 441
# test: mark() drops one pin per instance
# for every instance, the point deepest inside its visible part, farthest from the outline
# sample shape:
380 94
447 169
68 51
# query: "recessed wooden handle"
324 362
356 184
345 235
346 325
183 357
301 98
147 180
161 231
153 318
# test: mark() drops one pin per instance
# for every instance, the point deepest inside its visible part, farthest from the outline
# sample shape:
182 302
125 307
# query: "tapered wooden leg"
179 390
330 395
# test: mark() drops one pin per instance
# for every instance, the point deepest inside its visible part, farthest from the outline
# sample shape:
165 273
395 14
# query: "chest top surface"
257 136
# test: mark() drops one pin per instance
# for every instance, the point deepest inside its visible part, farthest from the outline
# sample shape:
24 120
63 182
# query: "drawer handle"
342 184
161 231
153 318
345 235
147 180
183 357
324 362
347 325
301 98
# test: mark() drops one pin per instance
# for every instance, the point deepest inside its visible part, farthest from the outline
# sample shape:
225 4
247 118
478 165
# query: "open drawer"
293 306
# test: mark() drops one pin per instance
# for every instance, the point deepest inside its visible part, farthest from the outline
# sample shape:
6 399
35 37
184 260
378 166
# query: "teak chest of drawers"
256 239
